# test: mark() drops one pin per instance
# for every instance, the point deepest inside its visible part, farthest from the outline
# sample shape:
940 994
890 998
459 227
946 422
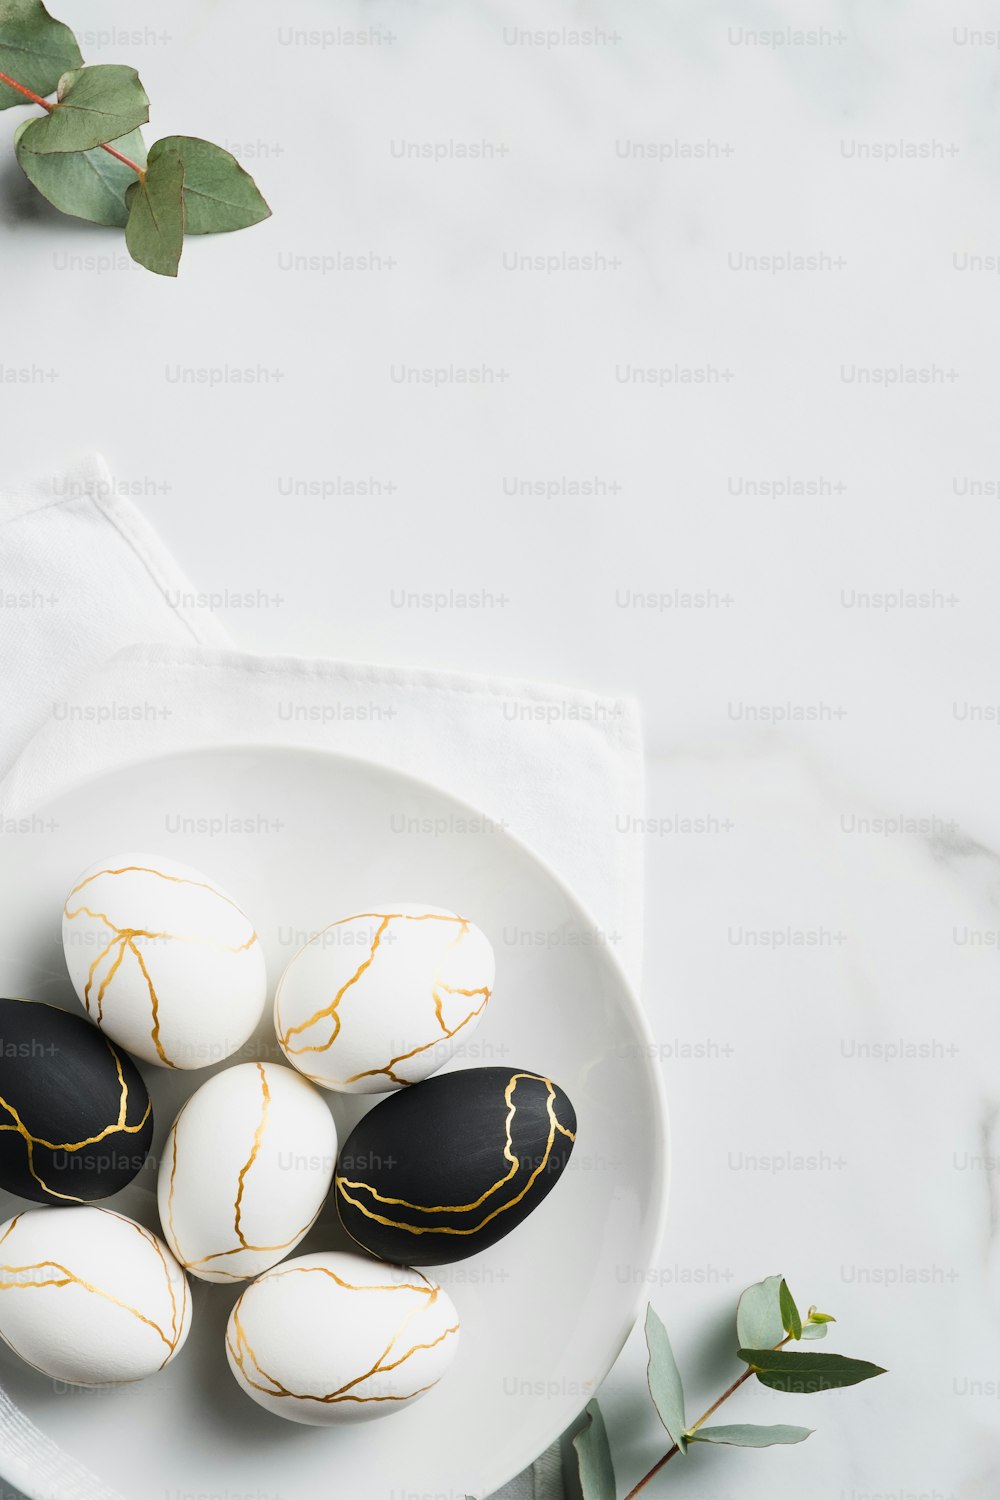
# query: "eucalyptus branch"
12 83
672 1453
767 1320
86 153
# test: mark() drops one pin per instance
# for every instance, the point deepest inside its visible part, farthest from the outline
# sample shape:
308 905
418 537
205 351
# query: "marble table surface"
669 335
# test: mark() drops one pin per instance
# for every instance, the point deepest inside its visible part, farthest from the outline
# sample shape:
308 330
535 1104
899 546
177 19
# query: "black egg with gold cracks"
451 1165
75 1118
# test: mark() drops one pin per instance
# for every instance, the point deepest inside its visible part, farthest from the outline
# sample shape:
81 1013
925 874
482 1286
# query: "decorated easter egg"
245 1171
90 1297
336 1338
163 960
452 1165
75 1118
383 998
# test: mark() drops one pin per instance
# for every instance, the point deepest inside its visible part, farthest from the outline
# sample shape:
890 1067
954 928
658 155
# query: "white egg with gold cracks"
166 963
245 1171
90 1297
334 1338
382 999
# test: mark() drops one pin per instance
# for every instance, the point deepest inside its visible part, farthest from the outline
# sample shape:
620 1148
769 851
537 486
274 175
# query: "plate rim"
663 1140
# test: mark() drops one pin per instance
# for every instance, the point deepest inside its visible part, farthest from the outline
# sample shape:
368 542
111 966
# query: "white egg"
245 1171
163 960
89 1297
340 1338
384 998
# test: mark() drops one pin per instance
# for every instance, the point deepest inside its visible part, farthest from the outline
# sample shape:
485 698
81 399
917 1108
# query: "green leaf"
818 1317
814 1330
154 233
664 1378
805 1374
758 1316
34 49
593 1457
95 105
789 1312
88 184
748 1435
218 194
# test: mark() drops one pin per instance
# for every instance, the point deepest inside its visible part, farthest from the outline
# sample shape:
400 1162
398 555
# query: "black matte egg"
451 1165
75 1118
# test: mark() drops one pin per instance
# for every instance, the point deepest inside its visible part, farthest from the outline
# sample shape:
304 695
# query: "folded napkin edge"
88 480
617 714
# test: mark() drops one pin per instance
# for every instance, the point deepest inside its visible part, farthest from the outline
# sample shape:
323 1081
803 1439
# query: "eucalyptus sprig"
86 153
767 1319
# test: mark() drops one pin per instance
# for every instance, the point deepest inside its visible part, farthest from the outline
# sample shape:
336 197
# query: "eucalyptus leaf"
154 233
814 1330
95 105
34 49
748 1435
790 1316
218 194
758 1316
593 1457
87 184
805 1373
664 1378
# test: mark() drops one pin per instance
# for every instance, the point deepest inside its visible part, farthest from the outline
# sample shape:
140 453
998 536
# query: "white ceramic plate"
300 838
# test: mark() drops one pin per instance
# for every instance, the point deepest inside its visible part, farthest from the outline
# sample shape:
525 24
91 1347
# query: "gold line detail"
31 1140
155 1030
242 1348
174 1129
436 1042
258 1139
202 885
176 1322
144 932
66 1277
244 1244
118 1127
125 936
93 970
332 1011
554 1126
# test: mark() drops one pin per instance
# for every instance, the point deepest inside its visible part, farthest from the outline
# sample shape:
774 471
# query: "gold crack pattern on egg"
90 1297
382 999
338 1337
245 1171
166 963
449 1167
75 1118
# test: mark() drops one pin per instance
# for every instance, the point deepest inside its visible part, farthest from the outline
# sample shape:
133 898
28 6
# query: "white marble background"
807 659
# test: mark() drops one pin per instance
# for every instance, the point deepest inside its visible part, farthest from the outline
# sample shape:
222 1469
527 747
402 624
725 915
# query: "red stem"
139 171
37 99
704 1418
652 1473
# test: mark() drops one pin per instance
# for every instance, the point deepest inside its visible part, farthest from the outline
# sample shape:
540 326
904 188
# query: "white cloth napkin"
108 657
